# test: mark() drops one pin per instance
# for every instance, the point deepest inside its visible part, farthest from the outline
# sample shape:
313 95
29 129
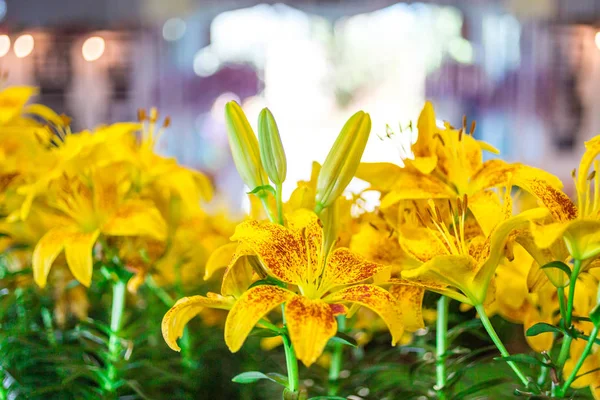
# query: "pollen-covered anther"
141 115
153 115
167 122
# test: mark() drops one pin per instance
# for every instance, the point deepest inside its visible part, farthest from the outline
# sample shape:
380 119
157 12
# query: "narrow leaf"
342 338
524 359
251 377
542 327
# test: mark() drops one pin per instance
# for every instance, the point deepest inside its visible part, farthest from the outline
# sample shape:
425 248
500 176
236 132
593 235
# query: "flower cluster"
318 271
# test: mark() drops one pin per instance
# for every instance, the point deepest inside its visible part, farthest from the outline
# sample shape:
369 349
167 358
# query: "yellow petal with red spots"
285 252
344 268
376 299
311 323
410 298
253 305
184 310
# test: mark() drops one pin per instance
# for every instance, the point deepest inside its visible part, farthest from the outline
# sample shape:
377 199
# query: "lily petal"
410 298
220 258
136 218
78 251
253 305
238 277
184 310
283 251
381 175
46 251
376 299
311 323
345 267
452 270
413 185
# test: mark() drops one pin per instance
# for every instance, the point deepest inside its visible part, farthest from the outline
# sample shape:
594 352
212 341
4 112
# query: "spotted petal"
253 305
378 300
345 267
311 323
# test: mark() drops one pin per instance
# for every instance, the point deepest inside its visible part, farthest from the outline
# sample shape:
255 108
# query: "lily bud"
244 146
343 160
271 149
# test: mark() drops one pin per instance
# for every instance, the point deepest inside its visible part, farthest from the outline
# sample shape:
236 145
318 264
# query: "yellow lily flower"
455 264
12 101
90 205
450 167
294 255
578 225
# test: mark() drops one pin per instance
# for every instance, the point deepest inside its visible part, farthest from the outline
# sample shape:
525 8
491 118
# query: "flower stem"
572 283
581 360
440 345
292 364
116 319
494 336
564 352
264 200
562 303
278 199
337 358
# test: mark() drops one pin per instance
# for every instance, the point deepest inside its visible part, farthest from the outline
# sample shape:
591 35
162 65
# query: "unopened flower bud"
343 160
244 146
271 149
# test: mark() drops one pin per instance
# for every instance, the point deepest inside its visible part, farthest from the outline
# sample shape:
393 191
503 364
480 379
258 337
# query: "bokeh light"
206 62
93 48
597 40
24 46
174 29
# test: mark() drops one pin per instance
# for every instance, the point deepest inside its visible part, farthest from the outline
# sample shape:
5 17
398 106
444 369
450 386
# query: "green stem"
494 336
543 376
292 365
337 358
572 283
580 362
564 352
279 200
562 303
264 200
159 292
440 345
3 390
114 347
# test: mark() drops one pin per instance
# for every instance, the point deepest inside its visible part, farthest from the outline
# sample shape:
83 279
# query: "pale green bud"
343 160
271 149
244 146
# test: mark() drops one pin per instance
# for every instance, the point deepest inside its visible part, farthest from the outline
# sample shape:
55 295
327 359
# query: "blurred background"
527 71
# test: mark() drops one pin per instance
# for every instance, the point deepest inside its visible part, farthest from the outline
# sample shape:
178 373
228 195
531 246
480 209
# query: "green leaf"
524 359
253 376
264 188
479 387
561 266
281 379
542 327
342 338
